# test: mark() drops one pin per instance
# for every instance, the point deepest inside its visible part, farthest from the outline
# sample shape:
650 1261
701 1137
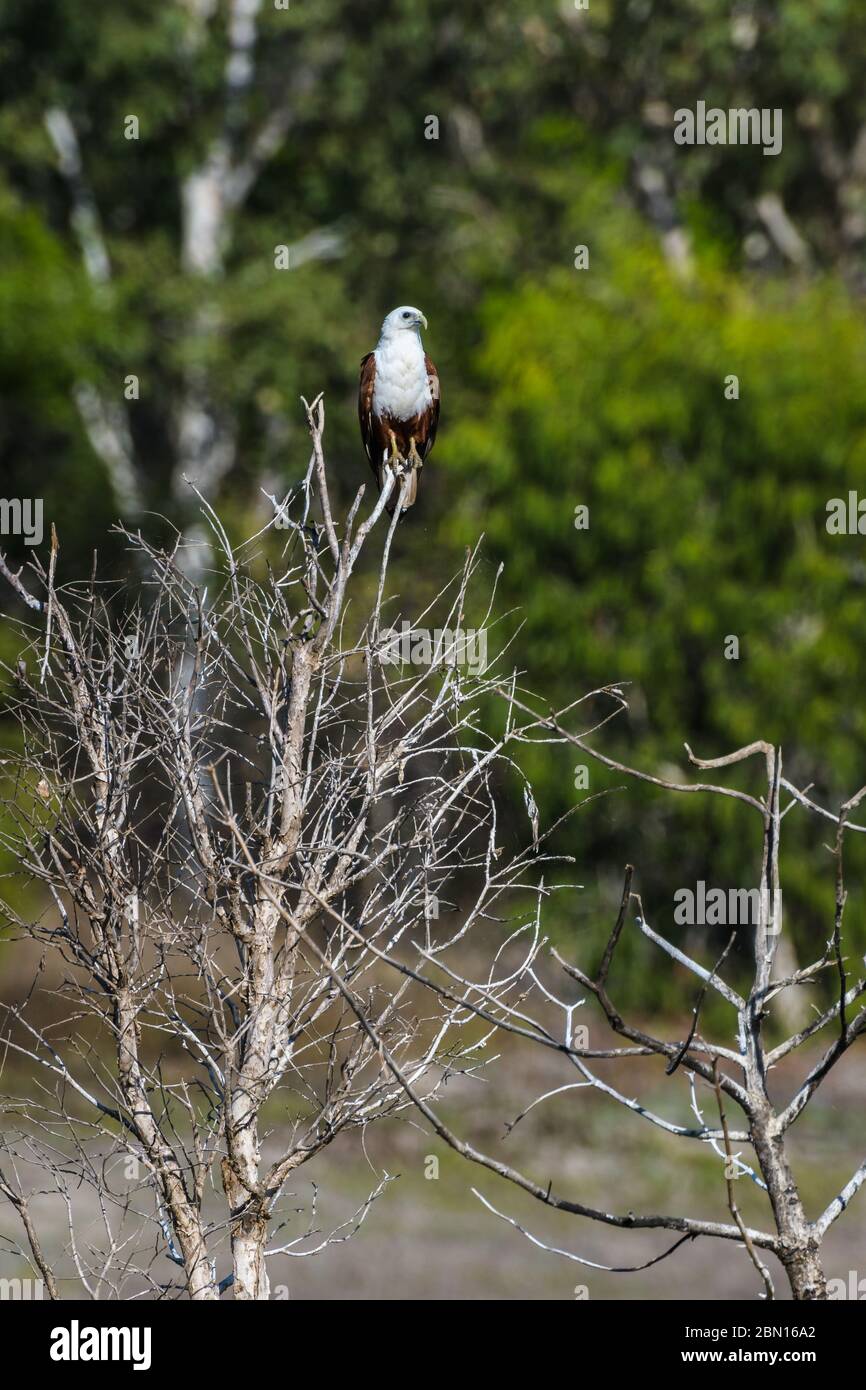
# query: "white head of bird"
404 319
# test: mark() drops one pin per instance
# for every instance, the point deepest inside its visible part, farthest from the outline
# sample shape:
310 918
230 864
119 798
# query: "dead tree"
523 1001
236 805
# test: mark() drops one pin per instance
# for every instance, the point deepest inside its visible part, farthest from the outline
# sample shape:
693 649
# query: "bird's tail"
410 494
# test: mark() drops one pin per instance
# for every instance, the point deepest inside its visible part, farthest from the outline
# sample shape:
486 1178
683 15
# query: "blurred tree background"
308 126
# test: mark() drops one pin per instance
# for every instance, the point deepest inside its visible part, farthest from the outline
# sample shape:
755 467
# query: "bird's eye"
406 314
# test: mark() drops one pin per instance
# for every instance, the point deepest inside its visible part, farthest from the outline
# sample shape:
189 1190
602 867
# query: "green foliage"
52 336
707 519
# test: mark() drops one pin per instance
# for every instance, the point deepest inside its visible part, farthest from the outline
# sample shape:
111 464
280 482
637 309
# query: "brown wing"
431 414
366 386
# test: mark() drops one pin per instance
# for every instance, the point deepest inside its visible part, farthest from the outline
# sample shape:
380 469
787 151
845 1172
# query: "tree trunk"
800 1247
805 1272
249 1231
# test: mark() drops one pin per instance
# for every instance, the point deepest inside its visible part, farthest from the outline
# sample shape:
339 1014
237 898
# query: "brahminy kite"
398 403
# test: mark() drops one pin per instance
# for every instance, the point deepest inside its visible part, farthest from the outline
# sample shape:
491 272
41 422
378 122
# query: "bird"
398 403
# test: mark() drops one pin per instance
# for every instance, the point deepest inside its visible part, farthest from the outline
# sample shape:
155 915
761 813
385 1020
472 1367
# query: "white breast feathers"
401 389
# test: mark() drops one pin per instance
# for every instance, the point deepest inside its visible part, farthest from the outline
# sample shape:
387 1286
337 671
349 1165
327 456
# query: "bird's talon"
395 458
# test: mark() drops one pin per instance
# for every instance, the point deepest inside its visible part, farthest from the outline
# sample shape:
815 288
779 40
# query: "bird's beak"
422 320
